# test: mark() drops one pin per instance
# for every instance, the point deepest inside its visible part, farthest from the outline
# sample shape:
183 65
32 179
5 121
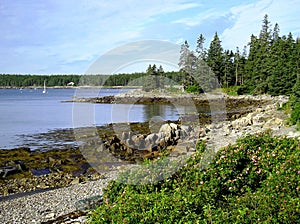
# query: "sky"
68 36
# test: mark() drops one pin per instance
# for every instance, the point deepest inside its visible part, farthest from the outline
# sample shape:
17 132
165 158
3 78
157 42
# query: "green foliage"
192 89
215 57
232 91
154 78
256 180
37 80
294 108
134 79
294 105
273 62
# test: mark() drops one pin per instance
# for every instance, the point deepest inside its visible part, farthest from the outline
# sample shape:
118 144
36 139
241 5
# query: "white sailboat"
44 91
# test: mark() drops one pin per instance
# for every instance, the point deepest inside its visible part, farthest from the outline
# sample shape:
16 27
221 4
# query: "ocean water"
25 112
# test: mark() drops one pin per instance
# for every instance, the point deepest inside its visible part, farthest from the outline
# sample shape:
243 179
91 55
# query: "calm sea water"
28 112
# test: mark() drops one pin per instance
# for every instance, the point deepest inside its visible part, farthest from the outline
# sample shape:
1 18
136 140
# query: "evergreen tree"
161 78
283 74
215 57
228 78
239 66
154 78
200 50
204 78
258 66
275 36
184 55
150 79
265 33
187 63
263 58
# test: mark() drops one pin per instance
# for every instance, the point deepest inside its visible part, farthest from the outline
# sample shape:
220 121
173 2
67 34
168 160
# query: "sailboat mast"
44 91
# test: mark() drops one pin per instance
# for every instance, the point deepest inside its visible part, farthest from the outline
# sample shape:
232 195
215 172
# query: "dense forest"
134 79
271 66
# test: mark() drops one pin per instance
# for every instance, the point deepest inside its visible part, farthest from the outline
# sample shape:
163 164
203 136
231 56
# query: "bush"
293 107
193 89
256 180
232 90
295 115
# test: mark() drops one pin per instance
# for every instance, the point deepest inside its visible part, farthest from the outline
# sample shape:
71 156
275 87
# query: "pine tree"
228 78
150 82
239 66
184 55
187 63
204 78
215 58
161 78
265 33
284 68
276 30
200 50
258 66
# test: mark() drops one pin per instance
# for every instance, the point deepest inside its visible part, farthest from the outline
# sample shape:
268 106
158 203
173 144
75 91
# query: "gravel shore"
48 206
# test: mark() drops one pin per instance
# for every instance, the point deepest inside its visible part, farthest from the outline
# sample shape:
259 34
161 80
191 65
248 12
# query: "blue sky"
67 36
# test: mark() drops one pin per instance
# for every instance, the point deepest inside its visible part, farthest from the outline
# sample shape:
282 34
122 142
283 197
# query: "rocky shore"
76 179
137 96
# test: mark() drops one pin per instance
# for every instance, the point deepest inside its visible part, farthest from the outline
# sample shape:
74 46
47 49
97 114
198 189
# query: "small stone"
192 149
50 215
42 185
75 181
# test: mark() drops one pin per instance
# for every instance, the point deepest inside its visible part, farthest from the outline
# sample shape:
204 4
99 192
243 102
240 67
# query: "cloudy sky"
67 36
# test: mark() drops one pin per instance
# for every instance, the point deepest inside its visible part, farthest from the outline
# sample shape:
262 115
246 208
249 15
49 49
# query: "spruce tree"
228 78
215 58
150 79
187 63
200 50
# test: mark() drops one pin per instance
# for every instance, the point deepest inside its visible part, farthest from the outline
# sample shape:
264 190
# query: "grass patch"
231 91
255 180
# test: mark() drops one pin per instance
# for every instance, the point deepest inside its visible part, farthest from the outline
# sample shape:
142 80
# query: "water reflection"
166 112
140 113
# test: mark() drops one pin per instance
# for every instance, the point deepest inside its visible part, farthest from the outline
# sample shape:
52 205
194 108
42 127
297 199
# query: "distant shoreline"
72 87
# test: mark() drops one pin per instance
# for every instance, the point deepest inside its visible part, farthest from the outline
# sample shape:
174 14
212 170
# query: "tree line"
271 67
14 80
134 79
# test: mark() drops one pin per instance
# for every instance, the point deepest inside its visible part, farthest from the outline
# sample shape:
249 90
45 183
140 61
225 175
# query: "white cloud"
199 18
248 20
75 30
67 36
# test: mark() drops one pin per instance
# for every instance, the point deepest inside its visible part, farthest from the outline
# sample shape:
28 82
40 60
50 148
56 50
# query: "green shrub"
295 115
293 108
255 180
193 89
232 90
